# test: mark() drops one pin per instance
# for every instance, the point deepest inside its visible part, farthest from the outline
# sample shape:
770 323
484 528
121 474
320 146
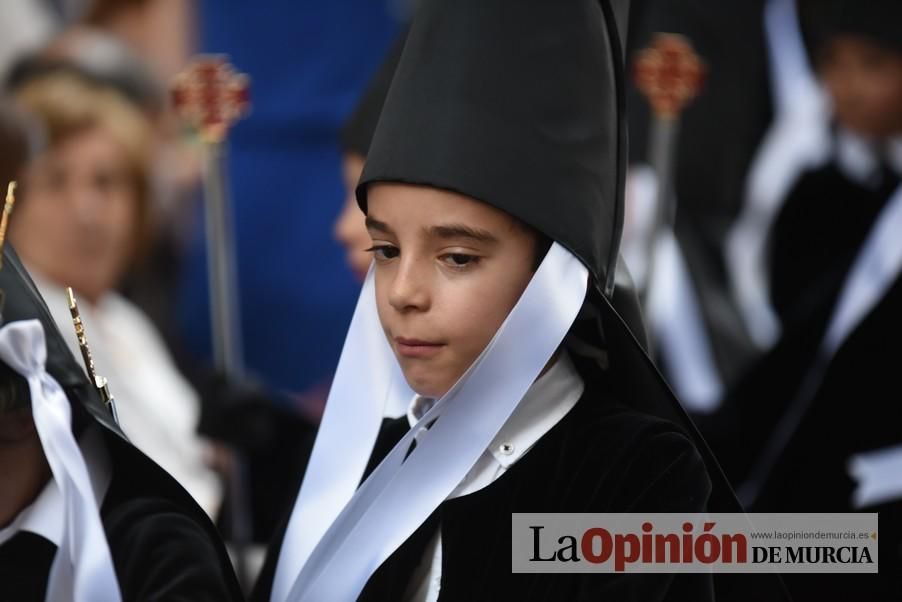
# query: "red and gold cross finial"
211 96
669 73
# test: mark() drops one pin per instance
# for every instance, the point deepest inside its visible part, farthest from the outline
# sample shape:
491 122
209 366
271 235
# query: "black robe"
855 406
602 456
816 237
162 548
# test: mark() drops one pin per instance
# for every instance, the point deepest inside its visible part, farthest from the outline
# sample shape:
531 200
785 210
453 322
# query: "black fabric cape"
163 545
159 552
817 236
604 456
854 408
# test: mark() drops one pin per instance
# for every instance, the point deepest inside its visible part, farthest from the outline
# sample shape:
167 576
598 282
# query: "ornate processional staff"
669 73
4 224
210 96
100 383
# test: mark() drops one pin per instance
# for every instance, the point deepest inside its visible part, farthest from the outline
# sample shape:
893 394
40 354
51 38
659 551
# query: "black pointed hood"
357 133
878 20
519 105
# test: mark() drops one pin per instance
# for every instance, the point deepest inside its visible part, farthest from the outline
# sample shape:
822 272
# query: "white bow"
82 569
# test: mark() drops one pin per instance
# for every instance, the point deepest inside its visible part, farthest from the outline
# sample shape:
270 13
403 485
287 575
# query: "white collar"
859 158
546 402
45 516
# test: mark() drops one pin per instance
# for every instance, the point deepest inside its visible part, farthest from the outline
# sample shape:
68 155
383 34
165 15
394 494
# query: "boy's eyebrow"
462 231
374 224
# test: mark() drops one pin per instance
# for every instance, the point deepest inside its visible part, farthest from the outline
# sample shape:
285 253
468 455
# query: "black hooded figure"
162 545
357 135
519 105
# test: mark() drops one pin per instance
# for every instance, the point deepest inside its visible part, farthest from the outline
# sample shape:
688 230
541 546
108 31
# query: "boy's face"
864 81
448 271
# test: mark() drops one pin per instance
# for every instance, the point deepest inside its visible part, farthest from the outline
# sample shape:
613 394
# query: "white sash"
878 475
798 139
877 266
680 329
674 313
368 385
402 492
82 569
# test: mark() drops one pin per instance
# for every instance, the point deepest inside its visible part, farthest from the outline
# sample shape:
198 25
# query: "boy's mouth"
417 347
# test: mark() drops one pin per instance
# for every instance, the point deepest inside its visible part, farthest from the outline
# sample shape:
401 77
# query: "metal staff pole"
211 96
669 73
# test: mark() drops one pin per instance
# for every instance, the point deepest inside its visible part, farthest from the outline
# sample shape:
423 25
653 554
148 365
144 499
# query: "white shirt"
158 410
546 402
859 158
46 514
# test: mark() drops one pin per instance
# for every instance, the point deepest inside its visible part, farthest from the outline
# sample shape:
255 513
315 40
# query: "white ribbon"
798 139
405 489
876 267
368 385
82 569
679 326
878 475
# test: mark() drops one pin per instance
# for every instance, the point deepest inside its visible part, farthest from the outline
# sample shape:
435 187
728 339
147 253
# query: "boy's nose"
409 290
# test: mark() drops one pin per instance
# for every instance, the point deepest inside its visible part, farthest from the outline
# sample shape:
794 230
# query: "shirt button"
506 449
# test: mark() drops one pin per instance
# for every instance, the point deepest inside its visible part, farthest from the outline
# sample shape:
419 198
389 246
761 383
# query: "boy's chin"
425 387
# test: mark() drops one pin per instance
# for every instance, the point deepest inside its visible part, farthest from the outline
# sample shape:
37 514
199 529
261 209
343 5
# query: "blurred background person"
698 338
356 136
83 218
812 427
16 142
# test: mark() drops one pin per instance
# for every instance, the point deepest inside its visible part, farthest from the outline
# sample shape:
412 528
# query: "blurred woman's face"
76 223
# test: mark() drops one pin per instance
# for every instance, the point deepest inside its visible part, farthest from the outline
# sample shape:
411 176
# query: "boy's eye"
459 260
384 252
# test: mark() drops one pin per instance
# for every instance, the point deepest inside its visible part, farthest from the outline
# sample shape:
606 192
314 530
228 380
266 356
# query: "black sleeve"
664 474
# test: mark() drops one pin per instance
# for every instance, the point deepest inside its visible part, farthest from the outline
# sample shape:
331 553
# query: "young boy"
493 195
84 515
